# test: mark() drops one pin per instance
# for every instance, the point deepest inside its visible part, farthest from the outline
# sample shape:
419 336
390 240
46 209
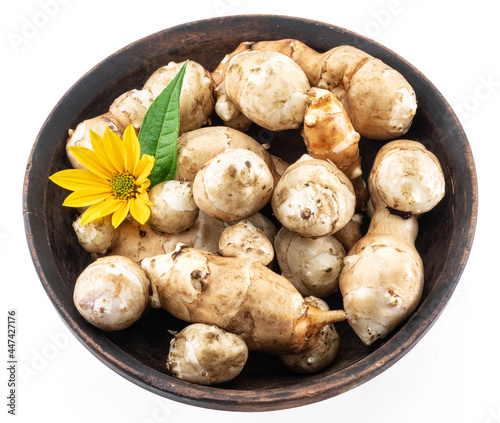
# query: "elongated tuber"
239 295
328 132
329 135
383 275
379 100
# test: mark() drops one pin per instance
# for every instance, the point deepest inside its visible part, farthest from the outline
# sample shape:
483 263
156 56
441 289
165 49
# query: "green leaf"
160 130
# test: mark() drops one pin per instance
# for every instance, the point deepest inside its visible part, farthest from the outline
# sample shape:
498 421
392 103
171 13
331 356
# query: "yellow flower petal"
139 210
92 213
120 214
98 147
110 205
132 147
85 197
143 168
75 179
100 209
115 150
90 160
115 168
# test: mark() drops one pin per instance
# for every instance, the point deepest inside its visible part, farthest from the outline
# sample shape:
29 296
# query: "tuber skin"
267 87
322 353
96 237
383 275
195 148
130 107
328 132
173 210
136 241
112 293
234 185
408 177
329 135
245 240
313 198
197 94
206 354
313 265
379 100
239 295
350 233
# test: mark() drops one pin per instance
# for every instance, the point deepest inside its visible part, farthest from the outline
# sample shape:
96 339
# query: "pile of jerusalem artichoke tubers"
209 255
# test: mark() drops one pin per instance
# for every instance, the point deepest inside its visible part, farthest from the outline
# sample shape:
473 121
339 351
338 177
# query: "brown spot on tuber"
231 170
200 276
402 214
305 214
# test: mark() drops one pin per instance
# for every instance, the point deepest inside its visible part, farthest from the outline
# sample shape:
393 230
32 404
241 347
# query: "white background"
451 375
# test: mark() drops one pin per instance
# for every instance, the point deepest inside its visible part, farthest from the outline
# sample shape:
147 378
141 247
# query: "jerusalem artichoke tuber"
206 354
313 198
383 275
267 87
379 100
239 295
234 185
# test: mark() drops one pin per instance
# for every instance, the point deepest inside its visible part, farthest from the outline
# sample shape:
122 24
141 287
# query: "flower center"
123 185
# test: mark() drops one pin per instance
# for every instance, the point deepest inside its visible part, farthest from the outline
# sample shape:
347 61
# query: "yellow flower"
115 180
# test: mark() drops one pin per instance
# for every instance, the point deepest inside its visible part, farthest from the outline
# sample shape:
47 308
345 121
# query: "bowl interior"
139 352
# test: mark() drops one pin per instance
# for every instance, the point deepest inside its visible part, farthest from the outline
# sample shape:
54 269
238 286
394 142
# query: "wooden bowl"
139 352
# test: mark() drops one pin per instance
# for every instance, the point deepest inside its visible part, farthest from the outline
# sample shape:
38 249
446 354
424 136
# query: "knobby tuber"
173 210
195 148
245 240
197 95
206 354
239 295
313 265
328 132
313 198
234 185
267 87
112 293
383 275
329 135
378 99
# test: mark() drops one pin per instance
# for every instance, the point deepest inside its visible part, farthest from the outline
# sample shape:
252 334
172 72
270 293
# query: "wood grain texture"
139 352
